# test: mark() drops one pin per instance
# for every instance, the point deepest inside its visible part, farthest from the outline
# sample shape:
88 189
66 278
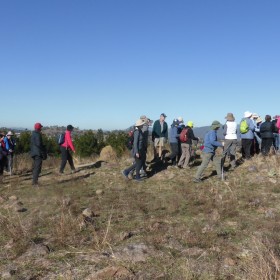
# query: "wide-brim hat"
10 133
247 114
139 122
215 125
146 120
230 117
255 115
259 119
180 119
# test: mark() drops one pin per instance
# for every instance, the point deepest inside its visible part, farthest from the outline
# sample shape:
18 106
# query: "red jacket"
68 141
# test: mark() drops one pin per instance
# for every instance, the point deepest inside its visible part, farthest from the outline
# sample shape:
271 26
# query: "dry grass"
213 230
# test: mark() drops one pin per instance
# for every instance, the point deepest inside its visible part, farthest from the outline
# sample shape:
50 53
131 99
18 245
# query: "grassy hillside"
95 224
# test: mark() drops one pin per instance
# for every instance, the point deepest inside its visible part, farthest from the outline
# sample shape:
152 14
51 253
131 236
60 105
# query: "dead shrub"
265 264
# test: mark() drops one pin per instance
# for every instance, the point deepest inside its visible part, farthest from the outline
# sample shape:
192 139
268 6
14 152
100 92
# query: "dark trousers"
174 152
266 145
246 148
66 156
37 168
137 165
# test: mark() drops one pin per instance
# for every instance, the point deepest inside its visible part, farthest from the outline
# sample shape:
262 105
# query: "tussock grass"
214 230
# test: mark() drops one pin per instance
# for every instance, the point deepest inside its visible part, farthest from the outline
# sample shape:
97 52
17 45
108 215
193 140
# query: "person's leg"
269 144
265 147
63 159
205 161
1 171
70 160
130 169
37 167
139 164
217 162
248 145
187 155
174 152
232 152
183 155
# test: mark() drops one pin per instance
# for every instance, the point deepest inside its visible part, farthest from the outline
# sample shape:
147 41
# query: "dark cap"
70 127
162 114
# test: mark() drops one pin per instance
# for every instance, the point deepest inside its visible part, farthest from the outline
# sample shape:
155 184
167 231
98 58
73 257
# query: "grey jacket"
138 143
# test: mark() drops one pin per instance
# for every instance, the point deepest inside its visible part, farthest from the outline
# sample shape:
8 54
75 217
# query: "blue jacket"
250 133
173 134
210 142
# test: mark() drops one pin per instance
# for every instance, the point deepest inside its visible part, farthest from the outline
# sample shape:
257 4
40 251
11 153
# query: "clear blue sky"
103 63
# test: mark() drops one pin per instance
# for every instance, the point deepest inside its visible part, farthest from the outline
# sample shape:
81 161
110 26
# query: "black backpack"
61 138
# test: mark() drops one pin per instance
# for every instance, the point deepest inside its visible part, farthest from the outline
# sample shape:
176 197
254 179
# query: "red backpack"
184 135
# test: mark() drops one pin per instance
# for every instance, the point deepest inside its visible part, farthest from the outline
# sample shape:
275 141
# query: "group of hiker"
256 136
38 152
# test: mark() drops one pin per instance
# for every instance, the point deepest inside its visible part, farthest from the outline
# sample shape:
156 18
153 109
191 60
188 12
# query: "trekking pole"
222 163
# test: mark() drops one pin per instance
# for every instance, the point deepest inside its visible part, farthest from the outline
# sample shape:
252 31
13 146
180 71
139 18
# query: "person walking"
173 141
247 129
66 148
266 130
3 156
159 135
209 152
186 138
138 151
37 152
230 144
10 147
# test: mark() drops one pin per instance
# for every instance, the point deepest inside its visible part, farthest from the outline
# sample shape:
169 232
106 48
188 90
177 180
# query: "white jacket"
230 130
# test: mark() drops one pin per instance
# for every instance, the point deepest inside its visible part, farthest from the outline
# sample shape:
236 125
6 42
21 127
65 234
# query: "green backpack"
244 127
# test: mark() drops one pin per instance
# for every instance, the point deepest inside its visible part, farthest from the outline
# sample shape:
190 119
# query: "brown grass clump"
108 154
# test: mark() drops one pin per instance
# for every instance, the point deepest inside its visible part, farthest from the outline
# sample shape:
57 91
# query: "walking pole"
222 163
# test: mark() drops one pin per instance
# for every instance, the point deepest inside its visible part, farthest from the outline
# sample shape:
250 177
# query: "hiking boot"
186 167
196 180
138 179
35 185
73 171
125 174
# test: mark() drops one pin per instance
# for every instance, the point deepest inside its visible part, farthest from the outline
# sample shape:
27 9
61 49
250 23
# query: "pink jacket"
68 141
278 125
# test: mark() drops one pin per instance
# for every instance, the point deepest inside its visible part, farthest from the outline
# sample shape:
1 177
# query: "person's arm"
252 125
213 140
6 142
135 143
69 142
225 130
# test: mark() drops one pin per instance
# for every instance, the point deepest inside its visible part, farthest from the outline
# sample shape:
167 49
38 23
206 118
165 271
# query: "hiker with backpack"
230 144
266 130
247 129
3 156
209 152
37 152
138 151
159 136
186 137
173 141
66 148
10 147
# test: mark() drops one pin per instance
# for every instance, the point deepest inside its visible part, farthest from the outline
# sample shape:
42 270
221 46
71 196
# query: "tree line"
86 144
